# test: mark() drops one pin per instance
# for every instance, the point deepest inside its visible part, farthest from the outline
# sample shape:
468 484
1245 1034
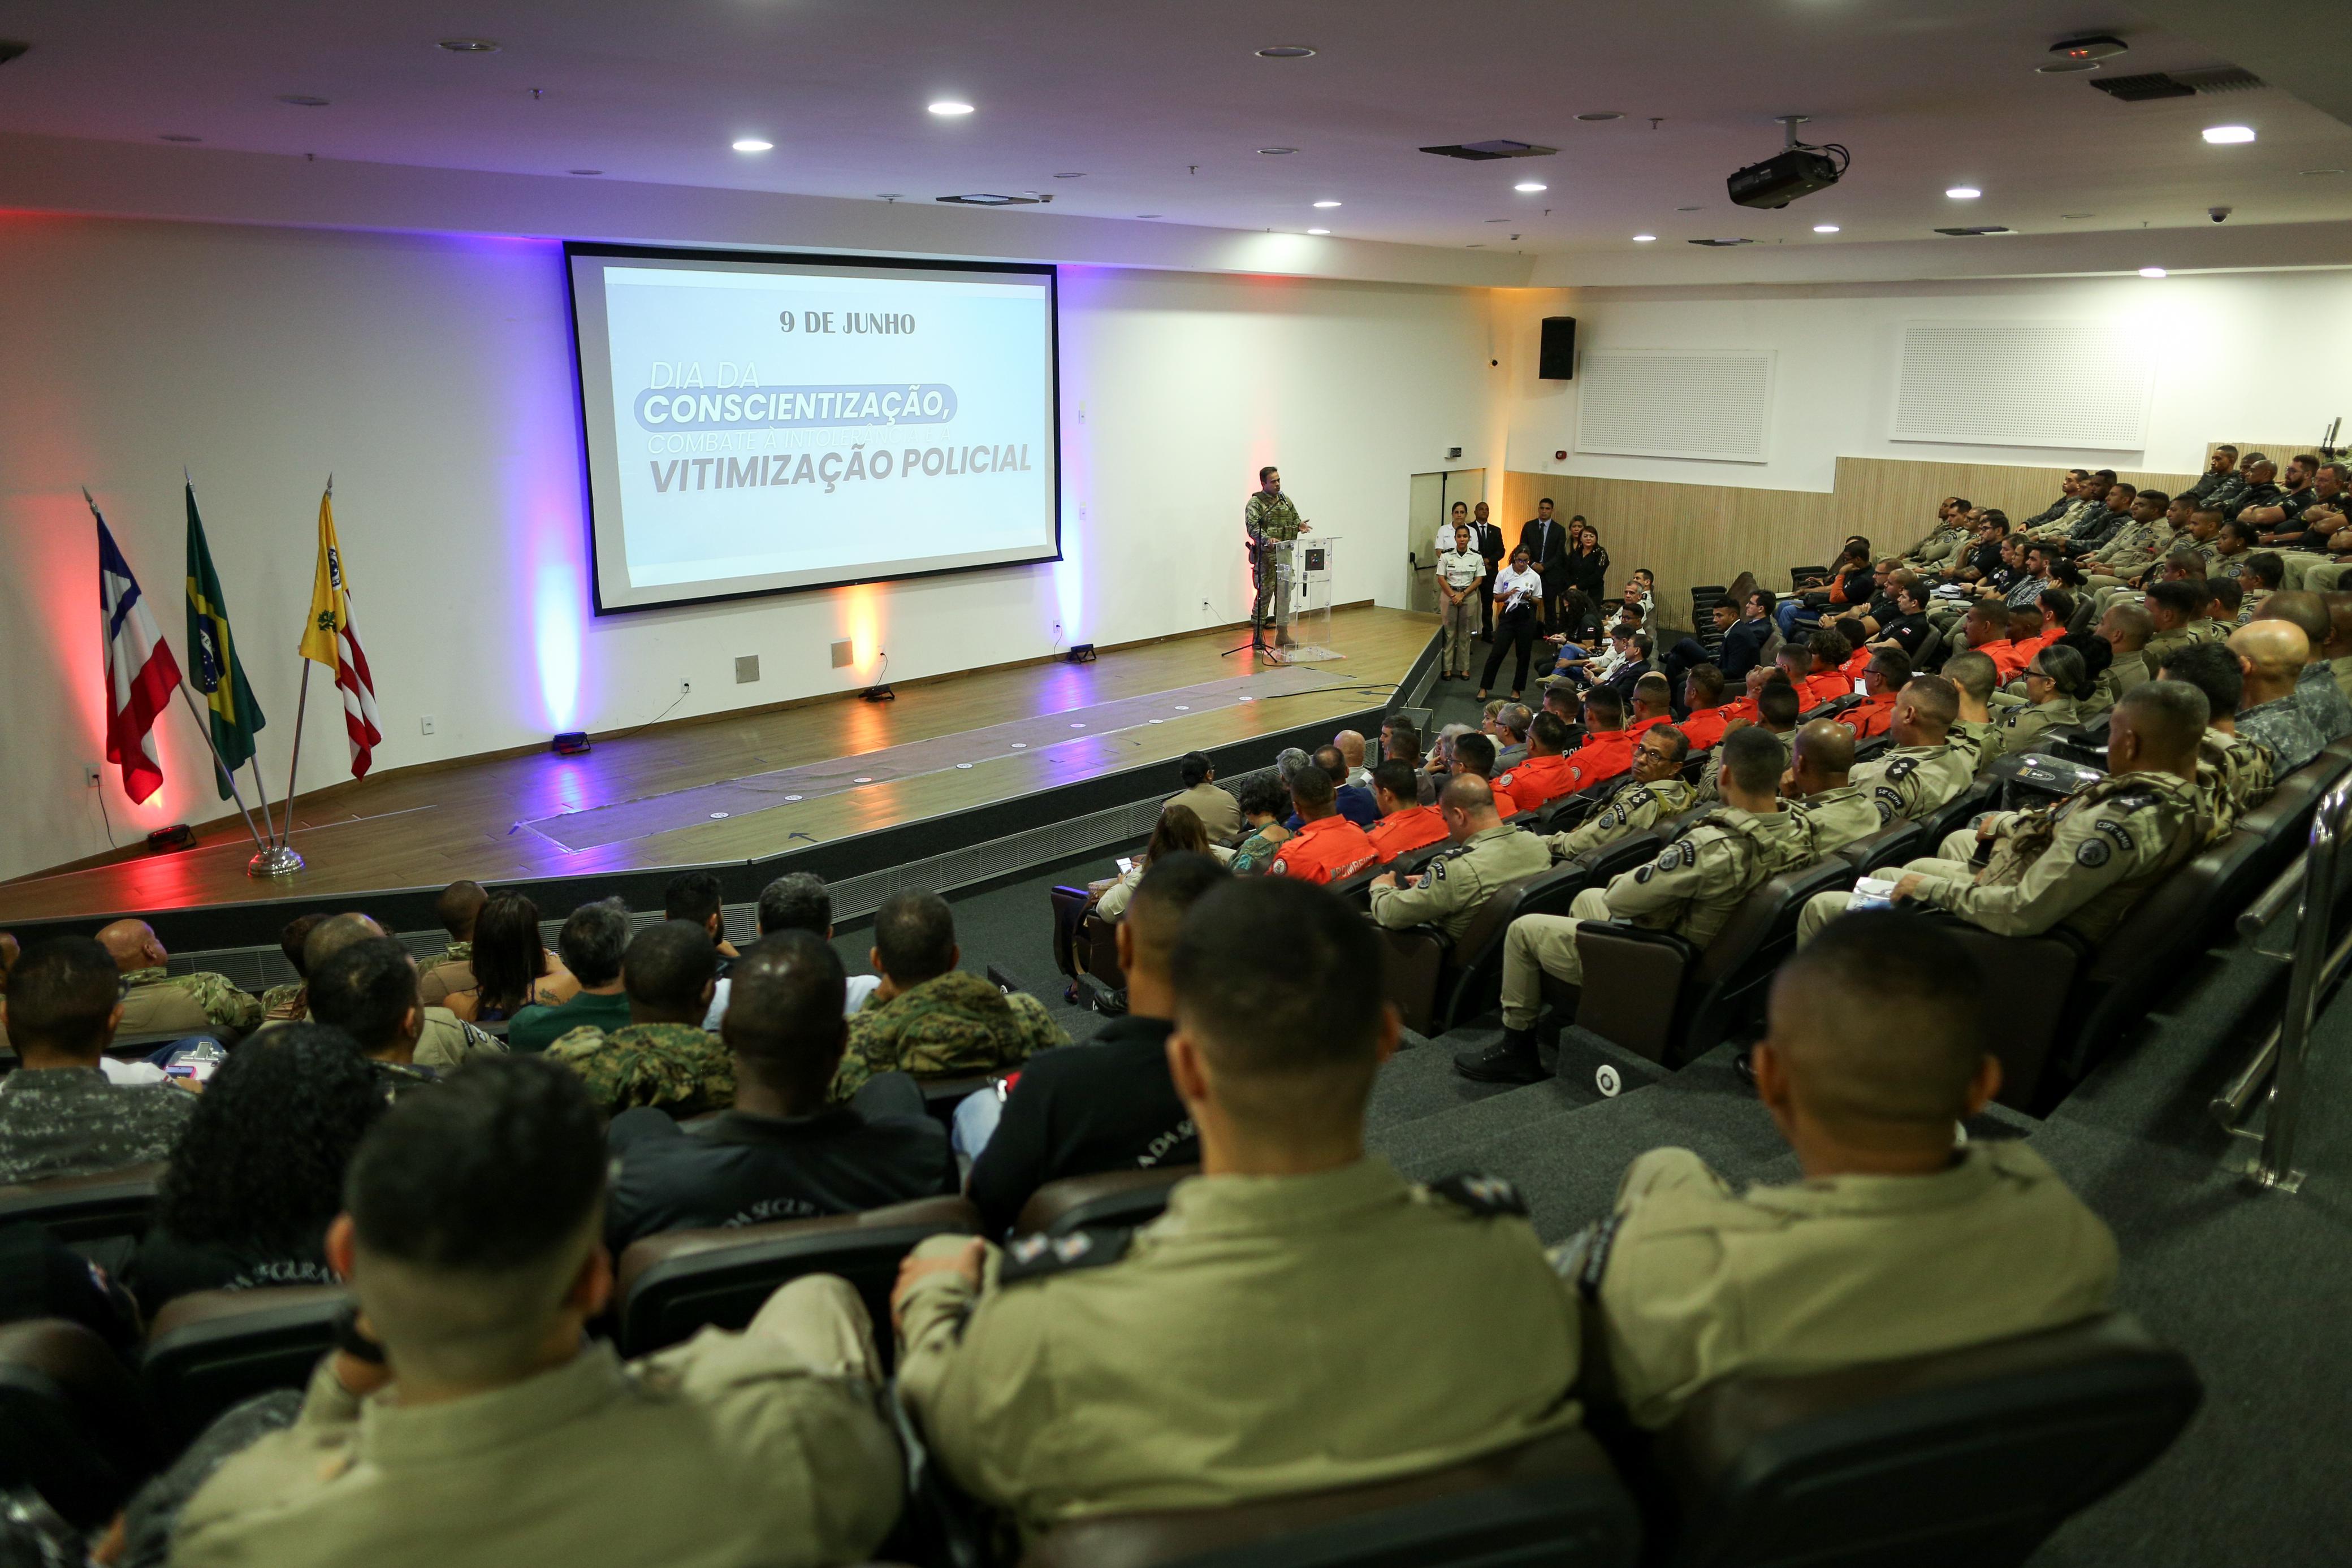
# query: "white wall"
431 374
2238 355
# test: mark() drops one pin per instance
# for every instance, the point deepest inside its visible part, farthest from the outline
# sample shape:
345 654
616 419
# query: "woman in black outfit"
1587 582
258 1172
1519 609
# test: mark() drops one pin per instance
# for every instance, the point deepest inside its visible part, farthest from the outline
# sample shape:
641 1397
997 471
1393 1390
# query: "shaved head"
1843 1066
334 934
2276 649
456 908
1926 705
2307 613
2157 727
131 945
1468 793
1823 755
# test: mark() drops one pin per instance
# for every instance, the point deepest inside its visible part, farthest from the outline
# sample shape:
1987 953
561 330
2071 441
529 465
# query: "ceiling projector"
1798 170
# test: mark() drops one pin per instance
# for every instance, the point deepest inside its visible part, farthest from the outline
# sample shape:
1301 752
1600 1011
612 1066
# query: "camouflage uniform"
288 1003
675 1066
1447 893
1636 809
157 1002
1914 782
2233 777
446 974
2284 726
2323 702
951 1025
70 1120
1268 521
1834 819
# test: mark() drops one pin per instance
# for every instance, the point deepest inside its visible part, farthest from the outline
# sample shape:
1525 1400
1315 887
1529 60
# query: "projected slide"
757 424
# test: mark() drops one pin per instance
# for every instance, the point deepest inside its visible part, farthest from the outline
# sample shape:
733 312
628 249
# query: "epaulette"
1482 1196
1901 767
1041 1257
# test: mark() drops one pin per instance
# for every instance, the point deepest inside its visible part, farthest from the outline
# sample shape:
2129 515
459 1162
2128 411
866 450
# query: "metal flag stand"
281 859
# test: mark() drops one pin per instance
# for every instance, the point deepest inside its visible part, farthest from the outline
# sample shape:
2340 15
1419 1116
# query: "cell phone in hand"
197 1061
1871 892
1126 864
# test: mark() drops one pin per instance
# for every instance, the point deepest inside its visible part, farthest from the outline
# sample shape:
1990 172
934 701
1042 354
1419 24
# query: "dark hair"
60 993
1278 978
1766 596
1709 678
1603 705
593 941
259 1167
667 967
1912 969
298 931
1312 787
1777 704
1194 768
508 956
784 1000
366 991
1827 646
1551 729
2265 566
2243 529
1265 795
496 1170
796 901
915 934
2065 669
1892 665
2159 496
1402 732
1398 778
2183 599
2211 668
2225 592
1178 831
2125 485
1334 761
1475 752
691 895
459 903
1674 738
1754 758
2170 716
1263 472
1169 889
2057 606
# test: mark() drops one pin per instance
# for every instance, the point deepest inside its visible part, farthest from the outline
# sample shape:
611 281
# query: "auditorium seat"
73 1424
669 1285
212 1349
1965 1457
1104 1198
1893 844
1085 948
85 1208
1556 1502
1425 974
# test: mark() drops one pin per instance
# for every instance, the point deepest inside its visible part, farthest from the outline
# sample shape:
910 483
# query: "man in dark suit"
1545 537
1487 539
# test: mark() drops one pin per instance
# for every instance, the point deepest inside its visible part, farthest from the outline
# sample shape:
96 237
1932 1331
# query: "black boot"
1511 1060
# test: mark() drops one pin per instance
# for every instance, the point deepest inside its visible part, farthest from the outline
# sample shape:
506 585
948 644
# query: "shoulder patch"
1279 868
1041 1257
2094 854
1482 1196
1901 767
2117 831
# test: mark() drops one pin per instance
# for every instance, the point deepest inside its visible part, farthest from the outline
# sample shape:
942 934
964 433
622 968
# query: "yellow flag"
330 611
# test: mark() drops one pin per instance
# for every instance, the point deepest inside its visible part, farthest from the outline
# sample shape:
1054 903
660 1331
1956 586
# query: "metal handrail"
2256 917
2306 989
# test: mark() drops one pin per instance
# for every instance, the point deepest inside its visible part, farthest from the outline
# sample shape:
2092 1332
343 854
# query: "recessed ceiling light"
1326 204
1070 176
1498 220
584 171
302 101
752 145
1146 215
1643 239
1287 52
1531 186
468 46
1275 152
1964 193
2076 216
1825 228
1318 231
2066 67
2229 135
949 108
1600 115
2311 172
1685 209
176 136
1480 246
2151 272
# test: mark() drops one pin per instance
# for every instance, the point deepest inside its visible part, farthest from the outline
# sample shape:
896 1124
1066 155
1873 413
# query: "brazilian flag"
214 667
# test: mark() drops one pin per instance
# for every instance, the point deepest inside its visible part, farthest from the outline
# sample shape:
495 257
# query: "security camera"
2217 213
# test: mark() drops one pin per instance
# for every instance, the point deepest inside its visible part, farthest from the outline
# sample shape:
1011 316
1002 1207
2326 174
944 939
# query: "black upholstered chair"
73 1424
212 1349
1106 1198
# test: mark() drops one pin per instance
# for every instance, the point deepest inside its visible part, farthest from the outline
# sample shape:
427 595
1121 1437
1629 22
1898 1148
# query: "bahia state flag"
329 638
139 669
215 670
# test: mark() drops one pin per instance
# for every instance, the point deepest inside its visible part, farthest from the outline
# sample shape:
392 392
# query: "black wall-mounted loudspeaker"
1557 360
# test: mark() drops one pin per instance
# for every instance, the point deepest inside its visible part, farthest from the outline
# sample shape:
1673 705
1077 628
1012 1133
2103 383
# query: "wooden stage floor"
424 827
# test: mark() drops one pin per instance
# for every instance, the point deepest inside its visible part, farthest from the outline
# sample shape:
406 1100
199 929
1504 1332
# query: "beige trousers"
1540 945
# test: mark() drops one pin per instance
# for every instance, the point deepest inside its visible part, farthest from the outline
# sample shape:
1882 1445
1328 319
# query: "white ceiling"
1162 107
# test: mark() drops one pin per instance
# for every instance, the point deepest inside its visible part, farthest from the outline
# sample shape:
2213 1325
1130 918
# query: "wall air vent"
2153 85
1480 151
984 199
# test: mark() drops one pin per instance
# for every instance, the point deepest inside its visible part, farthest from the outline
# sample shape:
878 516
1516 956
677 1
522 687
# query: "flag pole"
286 829
261 791
226 776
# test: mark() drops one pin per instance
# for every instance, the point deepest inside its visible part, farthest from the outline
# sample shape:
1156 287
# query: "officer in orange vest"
1328 847
1405 824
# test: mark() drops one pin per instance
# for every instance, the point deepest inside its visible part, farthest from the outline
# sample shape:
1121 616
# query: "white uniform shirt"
1514 588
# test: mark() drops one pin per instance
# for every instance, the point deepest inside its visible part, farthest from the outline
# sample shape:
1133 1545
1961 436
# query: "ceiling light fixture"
1825 228
2151 272
2066 67
2229 135
302 101
468 46
1318 231
1531 186
1326 204
1600 115
1964 193
584 171
1643 239
2076 216
1275 152
2310 172
949 109
1287 52
177 136
1685 209
1147 214
1078 175
752 145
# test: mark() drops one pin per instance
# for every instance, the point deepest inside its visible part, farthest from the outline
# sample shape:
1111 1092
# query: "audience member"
1986 632
2271 655
1474 754
590 945
1777 706
663 1056
1177 831
2172 606
1973 678
2053 682
1690 890
1655 793
2083 861
1704 708
156 1002
797 901
1266 800
782 1151
928 1018
2125 627
1512 724
257 1173
1405 824
1896 1243
1327 847
1747 641
1921 772
451 971
696 898
1273 1281
1831 810
1487 855
2322 700
1350 744
1882 678
1354 801
495 1430
367 988
1547 774
60 1116
1220 813
509 965
287 1003
2234 773
445 1040
1108 1104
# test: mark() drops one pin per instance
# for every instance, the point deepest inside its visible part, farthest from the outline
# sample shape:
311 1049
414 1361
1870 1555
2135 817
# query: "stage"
740 788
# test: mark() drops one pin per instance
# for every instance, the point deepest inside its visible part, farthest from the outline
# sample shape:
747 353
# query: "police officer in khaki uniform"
2054 678
1485 855
1973 676
1252 1341
491 1429
1656 794
1831 810
1895 1244
159 1002
2124 628
2084 860
1921 772
2234 772
1690 890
